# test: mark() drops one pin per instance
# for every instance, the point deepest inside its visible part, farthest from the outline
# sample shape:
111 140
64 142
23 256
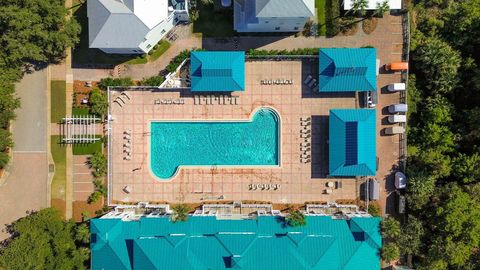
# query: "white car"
397 118
400 180
398 108
395 87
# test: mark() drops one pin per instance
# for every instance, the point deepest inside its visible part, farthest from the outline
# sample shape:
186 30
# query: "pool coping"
203 167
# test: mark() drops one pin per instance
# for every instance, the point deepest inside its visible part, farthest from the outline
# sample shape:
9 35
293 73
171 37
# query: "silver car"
398 108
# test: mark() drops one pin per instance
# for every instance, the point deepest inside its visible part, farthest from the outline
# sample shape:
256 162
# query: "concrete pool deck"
299 182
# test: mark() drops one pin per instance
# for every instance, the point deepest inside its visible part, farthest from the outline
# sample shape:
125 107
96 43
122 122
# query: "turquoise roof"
347 69
217 71
352 147
208 243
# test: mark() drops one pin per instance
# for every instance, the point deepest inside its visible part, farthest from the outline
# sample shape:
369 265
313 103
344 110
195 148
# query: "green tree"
43 240
390 252
410 238
152 81
36 32
390 228
295 218
374 209
381 8
8 103
180 212
419 190
98 102
439 63
98 162
466 168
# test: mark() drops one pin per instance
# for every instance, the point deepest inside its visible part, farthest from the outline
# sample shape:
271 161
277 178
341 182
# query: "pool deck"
299 182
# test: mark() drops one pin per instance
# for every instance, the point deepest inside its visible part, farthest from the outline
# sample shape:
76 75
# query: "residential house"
132 26
272 15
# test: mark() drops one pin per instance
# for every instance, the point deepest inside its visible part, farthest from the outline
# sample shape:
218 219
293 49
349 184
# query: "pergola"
79 129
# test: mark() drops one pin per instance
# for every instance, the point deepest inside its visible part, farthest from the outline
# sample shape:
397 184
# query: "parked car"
394 130
397 118
371 99
400 180
398 108
373 189
395 87
396 66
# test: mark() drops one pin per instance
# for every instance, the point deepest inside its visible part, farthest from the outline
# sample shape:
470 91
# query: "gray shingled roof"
283 8
111 24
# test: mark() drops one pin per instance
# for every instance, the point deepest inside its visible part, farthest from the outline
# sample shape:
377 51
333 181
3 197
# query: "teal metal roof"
347 69
217 71
352 147
208 243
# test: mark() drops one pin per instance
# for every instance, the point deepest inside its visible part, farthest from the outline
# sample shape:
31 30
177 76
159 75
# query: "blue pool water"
251 143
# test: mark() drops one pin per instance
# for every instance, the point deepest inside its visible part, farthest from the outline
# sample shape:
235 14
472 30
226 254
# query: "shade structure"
352 148
347 69
217 71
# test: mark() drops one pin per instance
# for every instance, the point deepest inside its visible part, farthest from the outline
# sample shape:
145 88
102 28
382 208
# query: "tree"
381 8
295 218
466 168
419 190
439 63
390 252
98 162
98 102
358 7
390 228
374 209
43 240
410 238
8 103
180 212
152 81
36 32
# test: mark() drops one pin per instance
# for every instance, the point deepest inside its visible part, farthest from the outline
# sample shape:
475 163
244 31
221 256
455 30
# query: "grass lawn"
87 148
212 23
59 154
58 101
154 54
322 27
80 111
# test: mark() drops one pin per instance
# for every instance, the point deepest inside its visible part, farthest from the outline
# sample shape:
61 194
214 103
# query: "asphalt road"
25 188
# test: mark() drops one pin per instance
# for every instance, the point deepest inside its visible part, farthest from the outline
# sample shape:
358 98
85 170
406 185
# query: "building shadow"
242 42
319 146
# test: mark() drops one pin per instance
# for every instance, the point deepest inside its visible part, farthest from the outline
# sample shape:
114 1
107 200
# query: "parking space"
82 178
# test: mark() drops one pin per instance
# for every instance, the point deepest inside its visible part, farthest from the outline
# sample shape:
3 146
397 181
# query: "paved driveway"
25 188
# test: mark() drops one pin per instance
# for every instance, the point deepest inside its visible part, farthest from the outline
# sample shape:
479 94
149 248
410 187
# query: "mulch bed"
59 205
81 91
80 206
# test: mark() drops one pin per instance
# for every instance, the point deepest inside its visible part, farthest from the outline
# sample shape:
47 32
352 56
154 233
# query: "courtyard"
297 181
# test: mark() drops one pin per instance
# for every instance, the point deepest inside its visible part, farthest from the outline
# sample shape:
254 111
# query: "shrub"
177 60
374 209
152 81
98 162
180 212
98 102
125 81
390 252
296 218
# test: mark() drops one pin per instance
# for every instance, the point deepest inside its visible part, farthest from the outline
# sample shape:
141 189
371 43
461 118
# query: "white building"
272 15
132 26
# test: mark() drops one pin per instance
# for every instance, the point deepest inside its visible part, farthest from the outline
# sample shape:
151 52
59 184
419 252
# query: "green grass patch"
213 23
322 27
81 111
58 101
88 148
162 47
59 154
141 59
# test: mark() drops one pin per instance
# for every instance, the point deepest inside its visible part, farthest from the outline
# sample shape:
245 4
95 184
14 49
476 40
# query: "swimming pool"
214 143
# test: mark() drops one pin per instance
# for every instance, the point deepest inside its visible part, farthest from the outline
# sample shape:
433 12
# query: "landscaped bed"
320 7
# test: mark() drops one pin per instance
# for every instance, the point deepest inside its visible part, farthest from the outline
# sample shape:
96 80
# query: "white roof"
372 4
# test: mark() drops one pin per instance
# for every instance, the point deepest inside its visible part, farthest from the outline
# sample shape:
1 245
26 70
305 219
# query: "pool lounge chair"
126 95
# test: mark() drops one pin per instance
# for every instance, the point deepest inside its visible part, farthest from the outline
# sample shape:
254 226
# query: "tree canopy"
43 240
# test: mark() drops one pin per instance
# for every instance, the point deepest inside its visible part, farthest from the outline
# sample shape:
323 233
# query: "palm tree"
390 228
359 7
296 218
180 212
381 8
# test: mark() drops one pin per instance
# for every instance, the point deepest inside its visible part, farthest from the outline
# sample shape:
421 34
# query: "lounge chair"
126 95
